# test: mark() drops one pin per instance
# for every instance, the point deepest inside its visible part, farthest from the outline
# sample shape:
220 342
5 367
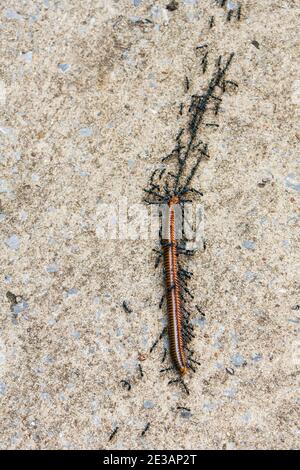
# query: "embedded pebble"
250 276
238 360
20 307
52 268
27 56
185 414
248 244
86 132
148 404
291 182
64 67
256 357
71 292
231 5
12 15
2 388
4 186
13 242
230 392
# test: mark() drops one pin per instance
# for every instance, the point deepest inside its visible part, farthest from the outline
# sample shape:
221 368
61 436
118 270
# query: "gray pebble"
86 132
248 244
2 388
291 182
12 15
148 404
64 67
72 291
238 360
13 242
20 307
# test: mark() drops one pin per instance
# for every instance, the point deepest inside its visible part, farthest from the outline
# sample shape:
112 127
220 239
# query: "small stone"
248 244
290 182
27 56
72 291
64 67
230 392
148 404
238 360
256 357
20 307
13 242
296 307
2 388
52 268
231 6
250 276
186 414
12 15
86 132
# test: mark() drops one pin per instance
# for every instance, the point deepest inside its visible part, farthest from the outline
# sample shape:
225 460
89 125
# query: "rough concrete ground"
89 97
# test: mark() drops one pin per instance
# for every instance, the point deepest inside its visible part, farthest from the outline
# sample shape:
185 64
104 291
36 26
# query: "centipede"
171 190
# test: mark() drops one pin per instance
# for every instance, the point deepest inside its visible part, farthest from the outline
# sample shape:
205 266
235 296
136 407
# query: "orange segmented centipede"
173 292
171 196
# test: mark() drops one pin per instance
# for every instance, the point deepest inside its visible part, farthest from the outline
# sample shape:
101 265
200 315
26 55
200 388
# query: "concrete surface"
89 97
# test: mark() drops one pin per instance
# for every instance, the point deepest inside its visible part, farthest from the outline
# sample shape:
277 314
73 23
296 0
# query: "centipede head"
174 199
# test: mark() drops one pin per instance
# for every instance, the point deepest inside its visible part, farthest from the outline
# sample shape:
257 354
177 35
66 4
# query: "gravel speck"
72 291
20 307
256 357
64 67
2 388
248 244
52 268
148 404
13 242
238 360
291 182
12 15
86 132
27 56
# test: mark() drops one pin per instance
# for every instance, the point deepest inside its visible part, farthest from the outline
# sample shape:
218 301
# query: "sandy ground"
89 98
